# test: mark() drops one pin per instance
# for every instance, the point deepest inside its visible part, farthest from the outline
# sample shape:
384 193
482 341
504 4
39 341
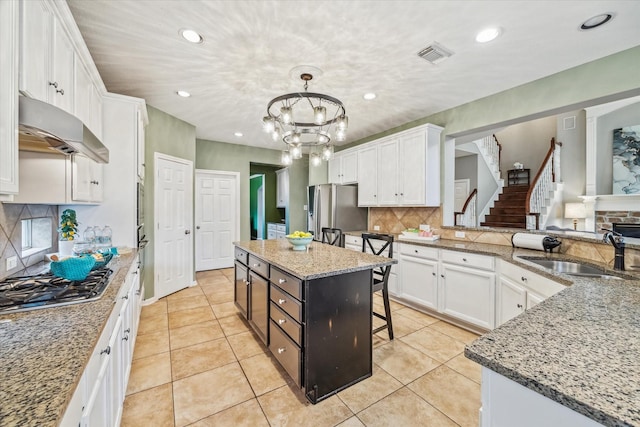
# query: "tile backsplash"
11 216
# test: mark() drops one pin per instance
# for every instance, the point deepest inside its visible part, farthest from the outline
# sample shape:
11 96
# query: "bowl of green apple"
300 240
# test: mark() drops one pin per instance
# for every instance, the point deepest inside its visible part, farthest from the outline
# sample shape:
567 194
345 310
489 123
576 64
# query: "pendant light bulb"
315 159
296 151
275 135
327 152
287 115
268 124
319 115
286 158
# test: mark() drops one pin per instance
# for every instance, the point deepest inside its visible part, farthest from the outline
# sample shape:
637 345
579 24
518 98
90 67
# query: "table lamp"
575 211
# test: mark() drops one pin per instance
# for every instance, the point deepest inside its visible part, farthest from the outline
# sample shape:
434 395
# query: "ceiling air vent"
435 53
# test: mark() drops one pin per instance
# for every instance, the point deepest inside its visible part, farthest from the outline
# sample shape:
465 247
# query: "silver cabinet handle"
281 350
524 279
281 281
442 275
60 91
187 231
281 301
125 297
464 259
197 227
54 84
125 338
519 305
106 350
433 274
281 321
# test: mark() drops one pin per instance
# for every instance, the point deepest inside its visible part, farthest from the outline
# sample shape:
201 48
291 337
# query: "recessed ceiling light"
596 21
238 134
488 34
369 96
191 36
183 93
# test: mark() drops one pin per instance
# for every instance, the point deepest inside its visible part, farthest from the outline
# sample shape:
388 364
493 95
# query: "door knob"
187 231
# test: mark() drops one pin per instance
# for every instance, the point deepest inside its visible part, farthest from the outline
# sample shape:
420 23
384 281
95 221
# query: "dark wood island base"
312 309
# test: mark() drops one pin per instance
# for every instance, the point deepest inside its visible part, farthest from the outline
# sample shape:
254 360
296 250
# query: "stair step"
516 189
507 210
509 197
503 224
505 218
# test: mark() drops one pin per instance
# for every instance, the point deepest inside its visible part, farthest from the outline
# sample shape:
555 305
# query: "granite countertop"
580 347
319 260
44 352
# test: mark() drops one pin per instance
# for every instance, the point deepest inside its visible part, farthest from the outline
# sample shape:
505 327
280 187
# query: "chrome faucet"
617 241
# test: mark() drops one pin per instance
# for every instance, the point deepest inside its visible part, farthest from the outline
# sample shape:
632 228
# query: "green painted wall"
169 135
238 158
603 80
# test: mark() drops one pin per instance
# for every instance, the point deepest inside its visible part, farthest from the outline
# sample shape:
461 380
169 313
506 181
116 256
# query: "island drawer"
287 323
286 302
287 282
259 266
286 351
470 260
241 255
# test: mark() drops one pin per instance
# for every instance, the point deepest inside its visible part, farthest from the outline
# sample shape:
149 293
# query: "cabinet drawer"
287 282
281 228
419 251
271 226
241 255
470 260
259 266
286 351
286 302
287 323
353 240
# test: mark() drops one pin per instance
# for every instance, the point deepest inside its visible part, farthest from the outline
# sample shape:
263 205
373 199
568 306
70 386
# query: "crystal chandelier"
306 119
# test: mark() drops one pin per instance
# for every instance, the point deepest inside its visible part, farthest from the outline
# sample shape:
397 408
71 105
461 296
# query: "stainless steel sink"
572 268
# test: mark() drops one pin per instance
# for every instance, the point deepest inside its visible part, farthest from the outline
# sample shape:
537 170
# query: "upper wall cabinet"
343 168
8 99
55 66
407 169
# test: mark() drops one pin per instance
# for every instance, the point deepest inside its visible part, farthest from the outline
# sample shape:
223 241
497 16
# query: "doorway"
173 213
263 199
256 206
217 212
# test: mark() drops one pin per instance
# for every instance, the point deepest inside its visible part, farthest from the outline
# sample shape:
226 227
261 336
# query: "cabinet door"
97 181
512 299
62 64
335 169
367 176
350 168
95 119
81 178
469 294
241 289
141 146
8 97
420 281
412 170
35 23
388 173
258 305
82 94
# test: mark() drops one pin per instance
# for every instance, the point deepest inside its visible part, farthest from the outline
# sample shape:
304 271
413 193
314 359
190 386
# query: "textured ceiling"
362 46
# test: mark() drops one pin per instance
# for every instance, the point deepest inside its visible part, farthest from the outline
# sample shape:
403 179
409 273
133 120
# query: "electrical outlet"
304 207
12 262
376 228
460 234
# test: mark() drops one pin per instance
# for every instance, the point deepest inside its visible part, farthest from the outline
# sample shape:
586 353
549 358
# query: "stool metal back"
381 245
332 236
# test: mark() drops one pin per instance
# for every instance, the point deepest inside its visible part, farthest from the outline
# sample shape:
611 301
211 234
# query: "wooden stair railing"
543 182
468 212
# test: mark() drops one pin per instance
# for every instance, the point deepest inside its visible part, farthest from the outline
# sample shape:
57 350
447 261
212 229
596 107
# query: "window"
36 235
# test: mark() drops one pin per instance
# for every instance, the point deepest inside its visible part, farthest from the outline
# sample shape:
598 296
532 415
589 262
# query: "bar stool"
382 245
332 236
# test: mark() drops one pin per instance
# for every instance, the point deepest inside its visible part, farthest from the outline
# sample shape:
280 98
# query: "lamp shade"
574 210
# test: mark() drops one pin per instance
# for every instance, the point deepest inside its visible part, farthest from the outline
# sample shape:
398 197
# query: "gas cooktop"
46 290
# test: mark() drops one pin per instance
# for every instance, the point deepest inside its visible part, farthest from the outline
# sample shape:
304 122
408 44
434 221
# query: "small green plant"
68 225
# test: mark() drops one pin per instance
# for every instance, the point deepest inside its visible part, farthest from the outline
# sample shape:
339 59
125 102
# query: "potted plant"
68 230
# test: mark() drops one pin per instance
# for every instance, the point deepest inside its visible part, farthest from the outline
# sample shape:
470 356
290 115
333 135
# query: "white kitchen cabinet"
520 289
419 266
276 231
47 57
353 242
468 288
343 168
87 181
9 176
281 231
140 145
368 176
88 101
282 197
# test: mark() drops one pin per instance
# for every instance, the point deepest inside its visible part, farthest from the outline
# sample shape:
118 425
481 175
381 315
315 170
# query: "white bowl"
300 243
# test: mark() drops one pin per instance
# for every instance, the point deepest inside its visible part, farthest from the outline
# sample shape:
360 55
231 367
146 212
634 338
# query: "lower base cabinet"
99 398
469 294
259 319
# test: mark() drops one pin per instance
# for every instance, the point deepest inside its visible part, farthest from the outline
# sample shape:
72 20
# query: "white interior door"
217 224
461 190
173 213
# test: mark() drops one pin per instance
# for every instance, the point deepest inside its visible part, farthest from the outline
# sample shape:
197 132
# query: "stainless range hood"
44 126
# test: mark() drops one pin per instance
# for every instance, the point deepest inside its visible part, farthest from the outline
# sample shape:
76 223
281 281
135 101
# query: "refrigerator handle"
317 214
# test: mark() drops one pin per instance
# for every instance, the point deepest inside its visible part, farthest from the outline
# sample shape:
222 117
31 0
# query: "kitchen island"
311 308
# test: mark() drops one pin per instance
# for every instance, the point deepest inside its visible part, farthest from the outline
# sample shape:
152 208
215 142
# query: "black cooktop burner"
46 290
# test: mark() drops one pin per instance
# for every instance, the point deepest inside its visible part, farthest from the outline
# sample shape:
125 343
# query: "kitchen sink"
573 268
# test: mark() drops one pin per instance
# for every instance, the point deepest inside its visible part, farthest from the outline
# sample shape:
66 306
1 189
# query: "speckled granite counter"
580 348
44 352
319 260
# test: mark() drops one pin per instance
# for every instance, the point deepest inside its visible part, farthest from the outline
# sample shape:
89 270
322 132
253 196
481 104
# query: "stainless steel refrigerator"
334 206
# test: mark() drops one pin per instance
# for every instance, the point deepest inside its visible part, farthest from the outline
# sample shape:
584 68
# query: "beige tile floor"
198 363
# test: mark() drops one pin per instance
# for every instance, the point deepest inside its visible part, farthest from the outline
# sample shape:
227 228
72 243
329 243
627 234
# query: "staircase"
510 209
